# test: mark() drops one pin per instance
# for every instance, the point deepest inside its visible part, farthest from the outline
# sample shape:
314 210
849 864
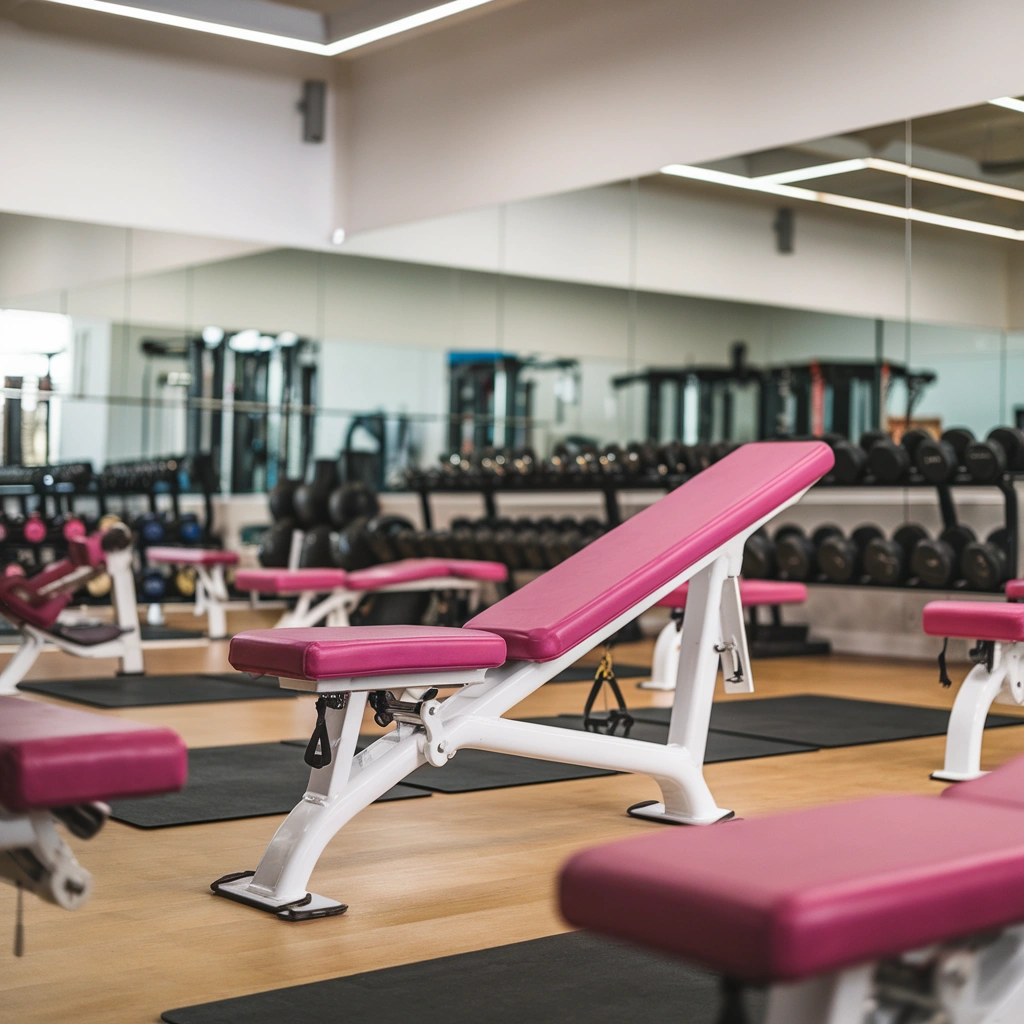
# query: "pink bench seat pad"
192 556
291 581
787 897
975 620
553 613
752 594
410 570
52 756
352 651
1015 589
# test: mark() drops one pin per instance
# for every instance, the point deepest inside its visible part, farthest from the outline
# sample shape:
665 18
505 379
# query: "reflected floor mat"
226 783
585 673
148 691
562 978
825 721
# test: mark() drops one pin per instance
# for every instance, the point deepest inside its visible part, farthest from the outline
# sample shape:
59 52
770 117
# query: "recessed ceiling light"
338 237
769 185
331 49
1010 102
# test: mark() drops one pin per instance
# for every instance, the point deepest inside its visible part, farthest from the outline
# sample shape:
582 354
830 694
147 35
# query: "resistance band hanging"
617 717
943 674
318 752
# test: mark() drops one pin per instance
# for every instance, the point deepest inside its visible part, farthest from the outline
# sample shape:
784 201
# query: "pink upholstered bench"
1015 590
997 676
696 532
810 902
211 588
753 594
64 761
345 590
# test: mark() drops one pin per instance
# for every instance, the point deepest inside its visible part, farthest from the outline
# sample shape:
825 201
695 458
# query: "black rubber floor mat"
150 691
825 721
170 633
227 783
561 979
585 673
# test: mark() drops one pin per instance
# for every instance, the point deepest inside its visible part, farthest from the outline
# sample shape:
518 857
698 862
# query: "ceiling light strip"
1010 102
345 45
845 202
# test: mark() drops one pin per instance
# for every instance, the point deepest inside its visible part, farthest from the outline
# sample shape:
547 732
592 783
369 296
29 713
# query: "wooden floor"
424 878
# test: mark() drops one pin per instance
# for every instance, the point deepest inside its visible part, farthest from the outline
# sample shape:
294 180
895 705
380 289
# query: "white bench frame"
973 982
211 597
473 719
978 692
127 647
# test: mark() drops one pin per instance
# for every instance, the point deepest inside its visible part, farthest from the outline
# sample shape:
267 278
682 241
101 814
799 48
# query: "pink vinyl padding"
787 897
410 570
975 620
88 550
555 612
752 594
19 600
347 651
1015 590
1004 787
191 556
52 756
291 581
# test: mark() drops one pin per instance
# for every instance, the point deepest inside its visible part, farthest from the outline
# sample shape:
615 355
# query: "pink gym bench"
59 765
344 590
508 651
866 911
753 594
35 605
211 588
997 675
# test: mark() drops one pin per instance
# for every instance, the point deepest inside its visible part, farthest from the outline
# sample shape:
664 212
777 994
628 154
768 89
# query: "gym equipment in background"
888 562
986 564
852 459
1002 450
841 559
209 587
510 650
938 462
34 606
936 563
796 554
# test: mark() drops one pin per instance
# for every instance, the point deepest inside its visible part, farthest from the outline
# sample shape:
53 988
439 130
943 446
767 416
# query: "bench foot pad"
654 810
944 776
236 887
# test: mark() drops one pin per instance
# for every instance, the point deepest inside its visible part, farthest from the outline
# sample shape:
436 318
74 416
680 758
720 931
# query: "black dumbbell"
1002 450
841 559
311 500
936 563
986 565
281 499
350 548
381 533
758 556
796 553
483 538
351 501
852 459
277 544
153 586
888 462
315 552
939 461
887 562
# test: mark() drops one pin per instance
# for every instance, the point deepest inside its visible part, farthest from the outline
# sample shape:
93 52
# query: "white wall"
106 135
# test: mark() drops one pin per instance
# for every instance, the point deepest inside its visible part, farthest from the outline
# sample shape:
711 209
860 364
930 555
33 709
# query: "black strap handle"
943 674
320 738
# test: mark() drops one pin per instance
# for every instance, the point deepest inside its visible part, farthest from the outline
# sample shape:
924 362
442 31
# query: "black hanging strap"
943 674
618 716
318 751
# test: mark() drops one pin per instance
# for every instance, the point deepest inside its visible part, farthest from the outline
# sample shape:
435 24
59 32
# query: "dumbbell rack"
1006 485
607 487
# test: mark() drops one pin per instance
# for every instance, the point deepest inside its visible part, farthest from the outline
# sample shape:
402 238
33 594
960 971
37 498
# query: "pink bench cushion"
192 556
53 757
555 612
752 593
1015 589
783 898
975 620
1005 786
348 651
411 570
290 581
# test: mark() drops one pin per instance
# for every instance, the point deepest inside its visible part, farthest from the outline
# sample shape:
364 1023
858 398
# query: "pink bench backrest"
557 611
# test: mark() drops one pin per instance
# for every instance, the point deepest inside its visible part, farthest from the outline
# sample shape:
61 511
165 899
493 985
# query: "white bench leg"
24 658
839 998
119 566
967 721
665 666
211 594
